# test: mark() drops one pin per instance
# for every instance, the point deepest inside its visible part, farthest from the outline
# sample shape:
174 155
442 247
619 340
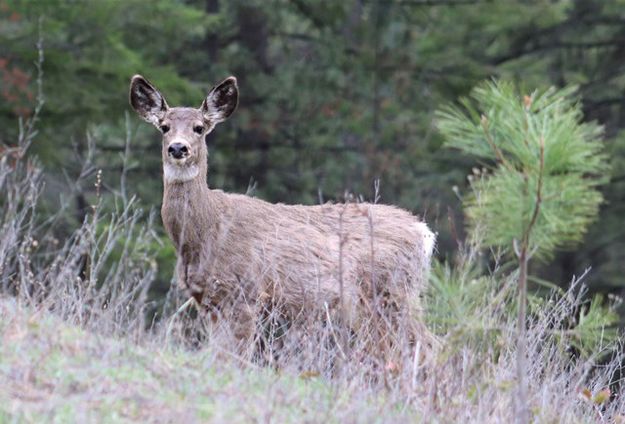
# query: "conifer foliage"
538 189
542 165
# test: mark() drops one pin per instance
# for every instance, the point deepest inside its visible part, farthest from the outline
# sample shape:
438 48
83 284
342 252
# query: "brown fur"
237 251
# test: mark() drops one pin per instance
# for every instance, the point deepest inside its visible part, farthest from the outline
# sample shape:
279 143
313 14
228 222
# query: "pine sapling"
539 191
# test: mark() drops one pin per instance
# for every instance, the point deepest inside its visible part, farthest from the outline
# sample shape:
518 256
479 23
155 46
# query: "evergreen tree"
539 190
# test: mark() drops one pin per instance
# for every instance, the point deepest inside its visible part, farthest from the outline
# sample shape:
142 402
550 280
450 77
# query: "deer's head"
183 128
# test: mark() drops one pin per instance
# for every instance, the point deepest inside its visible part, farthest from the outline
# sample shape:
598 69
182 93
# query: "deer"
240 253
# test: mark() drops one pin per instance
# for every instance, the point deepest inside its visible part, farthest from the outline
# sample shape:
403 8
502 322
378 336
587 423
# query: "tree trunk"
521 406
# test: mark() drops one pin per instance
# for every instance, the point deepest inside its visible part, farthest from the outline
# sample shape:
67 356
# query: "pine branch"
541 171
489 139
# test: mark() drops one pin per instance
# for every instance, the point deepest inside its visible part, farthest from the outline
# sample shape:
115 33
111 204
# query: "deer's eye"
164 128
198 129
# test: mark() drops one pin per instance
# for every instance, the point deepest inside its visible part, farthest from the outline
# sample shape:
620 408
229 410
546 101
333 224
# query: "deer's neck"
189 212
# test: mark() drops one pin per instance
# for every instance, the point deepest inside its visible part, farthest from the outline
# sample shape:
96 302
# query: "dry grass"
52 371
55 371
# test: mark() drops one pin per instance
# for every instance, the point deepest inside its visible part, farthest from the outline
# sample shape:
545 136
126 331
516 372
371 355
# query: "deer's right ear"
147 100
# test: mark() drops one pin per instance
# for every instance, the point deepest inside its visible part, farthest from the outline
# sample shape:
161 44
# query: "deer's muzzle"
178 150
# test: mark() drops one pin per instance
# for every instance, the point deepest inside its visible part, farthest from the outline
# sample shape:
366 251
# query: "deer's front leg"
187 278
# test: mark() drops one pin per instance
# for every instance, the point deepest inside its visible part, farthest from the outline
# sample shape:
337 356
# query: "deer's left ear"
221 101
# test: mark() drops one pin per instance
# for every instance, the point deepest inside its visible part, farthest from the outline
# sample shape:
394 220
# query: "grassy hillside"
52 371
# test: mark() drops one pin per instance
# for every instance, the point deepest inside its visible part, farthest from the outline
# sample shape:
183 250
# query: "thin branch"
28 133
491 143
538 195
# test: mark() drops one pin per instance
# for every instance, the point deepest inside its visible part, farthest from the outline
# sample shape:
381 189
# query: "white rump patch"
179 174
429 239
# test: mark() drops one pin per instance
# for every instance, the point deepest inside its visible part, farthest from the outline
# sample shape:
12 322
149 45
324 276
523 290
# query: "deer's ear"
221 101
147 100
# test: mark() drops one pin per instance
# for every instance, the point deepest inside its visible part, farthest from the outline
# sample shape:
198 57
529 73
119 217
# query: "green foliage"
333 96
471 308
537 192
92 48
595 328
467 306
544 165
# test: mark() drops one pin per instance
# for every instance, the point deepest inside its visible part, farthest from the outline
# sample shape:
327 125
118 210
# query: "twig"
491 143
415 365
342 241
325 305
184 306
538 194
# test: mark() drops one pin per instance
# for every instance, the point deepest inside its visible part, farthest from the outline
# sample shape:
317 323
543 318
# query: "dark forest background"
334 96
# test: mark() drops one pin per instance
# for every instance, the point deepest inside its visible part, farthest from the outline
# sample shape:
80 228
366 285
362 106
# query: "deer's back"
298 251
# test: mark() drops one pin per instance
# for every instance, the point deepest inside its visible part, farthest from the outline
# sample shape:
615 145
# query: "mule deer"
240 253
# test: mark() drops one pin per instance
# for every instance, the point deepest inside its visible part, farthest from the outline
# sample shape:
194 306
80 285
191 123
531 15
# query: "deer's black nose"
177 150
